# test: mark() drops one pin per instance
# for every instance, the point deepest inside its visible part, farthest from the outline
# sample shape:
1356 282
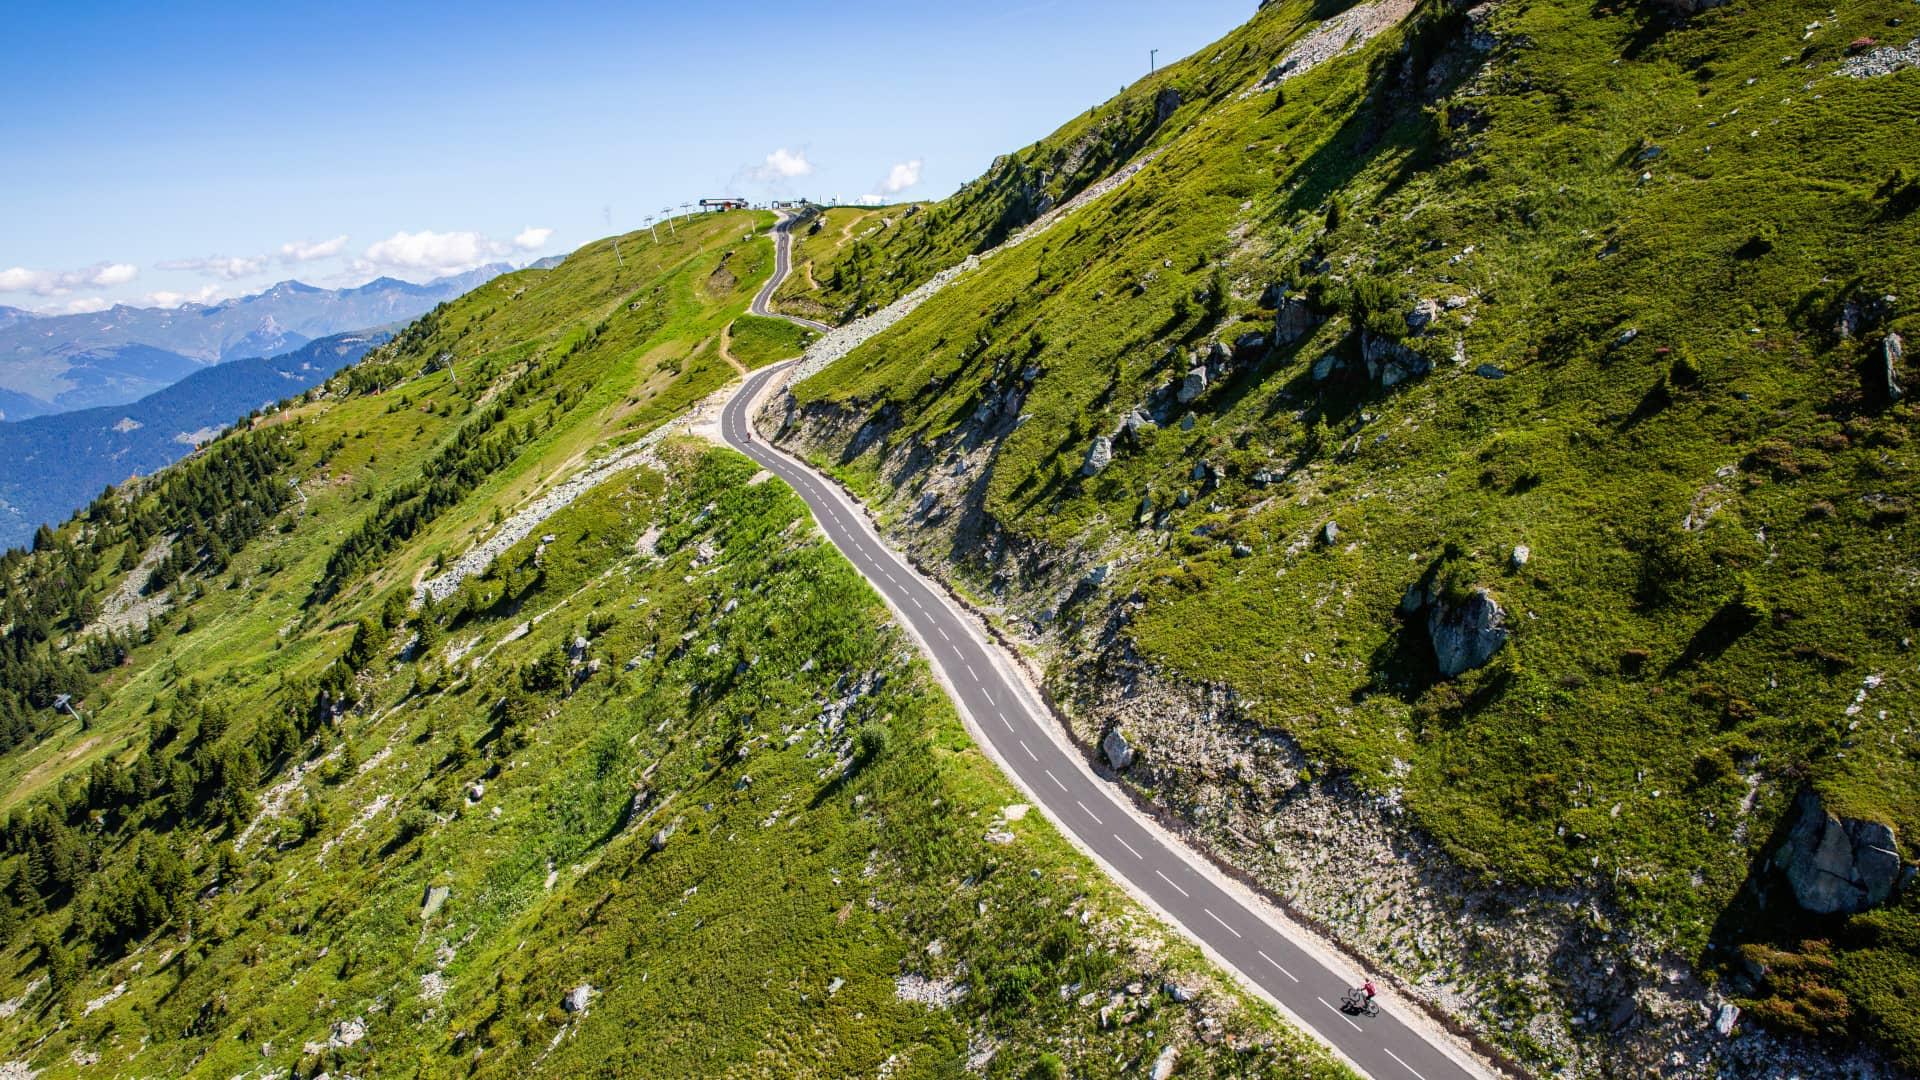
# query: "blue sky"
163 152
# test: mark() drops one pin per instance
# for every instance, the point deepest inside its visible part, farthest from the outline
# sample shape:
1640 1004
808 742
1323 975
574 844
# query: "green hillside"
658 791
1578 305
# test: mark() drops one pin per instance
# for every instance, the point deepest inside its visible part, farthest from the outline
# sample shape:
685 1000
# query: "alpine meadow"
1423 485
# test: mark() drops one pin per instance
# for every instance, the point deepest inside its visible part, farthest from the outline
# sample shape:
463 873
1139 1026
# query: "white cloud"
226 267
83 305
61 282
299 251
110 274
532 239
871 200
782 164
901 177
167 298
432 253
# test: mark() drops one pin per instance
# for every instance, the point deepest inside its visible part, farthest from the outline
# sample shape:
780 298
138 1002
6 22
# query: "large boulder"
1118 751
1837 865
1099 456
1466 633
1295 319
1192 386
1887 372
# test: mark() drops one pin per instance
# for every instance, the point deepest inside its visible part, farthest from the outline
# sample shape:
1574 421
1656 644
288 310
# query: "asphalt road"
1030 747
782 260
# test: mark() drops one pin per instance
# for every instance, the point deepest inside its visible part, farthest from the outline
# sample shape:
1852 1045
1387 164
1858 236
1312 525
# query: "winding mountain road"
1301 977
782 265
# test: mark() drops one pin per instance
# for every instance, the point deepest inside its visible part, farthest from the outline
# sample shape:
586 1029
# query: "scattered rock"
1117 750
834 986
435 899
1422 316
933 993
1163 1065
1837 865
1099 456
1466 635
1521 554
578 998
1323 368
1489 371
476 791
1882 61
1136 425
1329 534
1098 575
1861 314
1242 550
1179 993
1192 386
658 841
1724 1020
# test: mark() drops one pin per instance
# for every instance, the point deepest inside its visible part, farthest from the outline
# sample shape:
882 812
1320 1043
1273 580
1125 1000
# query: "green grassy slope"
1647 229
757 341
667 748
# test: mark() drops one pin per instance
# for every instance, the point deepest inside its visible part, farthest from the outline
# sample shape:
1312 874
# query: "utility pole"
655 233
1153 61
606 212
669 216
65 702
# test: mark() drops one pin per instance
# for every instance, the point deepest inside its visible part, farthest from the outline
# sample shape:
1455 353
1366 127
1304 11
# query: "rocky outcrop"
1391 362
1466 633
1837 865
1165 104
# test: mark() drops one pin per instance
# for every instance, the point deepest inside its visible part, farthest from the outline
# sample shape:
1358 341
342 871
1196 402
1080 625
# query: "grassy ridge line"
377 441
860 268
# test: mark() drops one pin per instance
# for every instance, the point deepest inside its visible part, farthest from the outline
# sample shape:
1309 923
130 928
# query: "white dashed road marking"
1404 1065
1338 1013
1276 963
1221 921
1175 884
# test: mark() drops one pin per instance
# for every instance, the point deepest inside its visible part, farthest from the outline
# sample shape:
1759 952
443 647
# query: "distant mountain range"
59 363
51 466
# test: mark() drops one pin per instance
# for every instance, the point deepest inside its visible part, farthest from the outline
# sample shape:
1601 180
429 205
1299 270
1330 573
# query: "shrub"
870 743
